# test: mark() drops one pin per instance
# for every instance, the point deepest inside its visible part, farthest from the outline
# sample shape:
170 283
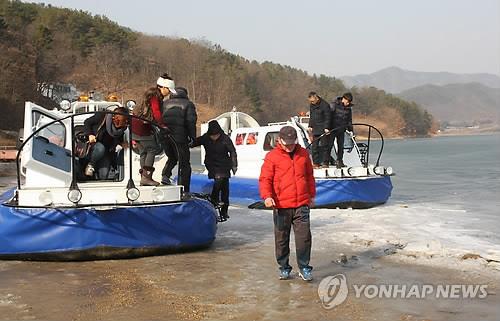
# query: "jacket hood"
214 128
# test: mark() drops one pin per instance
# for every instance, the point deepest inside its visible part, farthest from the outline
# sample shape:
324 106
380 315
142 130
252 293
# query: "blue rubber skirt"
87 234
330 193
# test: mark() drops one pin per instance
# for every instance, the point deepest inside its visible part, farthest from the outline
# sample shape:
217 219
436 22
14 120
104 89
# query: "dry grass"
7 141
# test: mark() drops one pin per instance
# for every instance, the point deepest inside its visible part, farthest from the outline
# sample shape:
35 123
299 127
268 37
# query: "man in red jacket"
286 183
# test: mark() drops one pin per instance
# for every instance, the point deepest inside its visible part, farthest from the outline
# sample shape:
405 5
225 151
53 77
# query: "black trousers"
320 150
284 218
220 192
339 136
184 163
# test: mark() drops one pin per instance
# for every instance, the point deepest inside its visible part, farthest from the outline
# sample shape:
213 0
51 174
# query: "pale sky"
333 37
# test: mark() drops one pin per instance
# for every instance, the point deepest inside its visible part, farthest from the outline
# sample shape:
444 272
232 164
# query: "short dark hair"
121 110
166 76
347 96
312 94
184 89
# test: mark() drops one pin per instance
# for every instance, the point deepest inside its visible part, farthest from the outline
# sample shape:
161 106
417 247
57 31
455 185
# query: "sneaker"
165 180
316 166
306 274
89 170
284 274
325 166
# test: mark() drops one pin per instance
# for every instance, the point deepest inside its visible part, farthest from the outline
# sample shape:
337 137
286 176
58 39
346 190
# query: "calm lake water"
460 174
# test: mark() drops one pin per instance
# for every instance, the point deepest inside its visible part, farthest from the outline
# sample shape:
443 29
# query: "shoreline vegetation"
52 46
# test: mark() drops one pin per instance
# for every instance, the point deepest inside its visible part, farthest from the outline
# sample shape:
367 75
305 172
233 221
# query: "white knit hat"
168 83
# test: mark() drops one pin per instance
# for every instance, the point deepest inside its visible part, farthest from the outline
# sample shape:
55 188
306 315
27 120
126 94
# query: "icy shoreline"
406 234
236 278
410 233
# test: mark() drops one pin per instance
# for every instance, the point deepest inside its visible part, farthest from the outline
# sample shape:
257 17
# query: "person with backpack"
220 160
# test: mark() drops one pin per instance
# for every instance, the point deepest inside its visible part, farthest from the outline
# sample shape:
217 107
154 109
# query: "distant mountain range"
395 80
467 103
450 98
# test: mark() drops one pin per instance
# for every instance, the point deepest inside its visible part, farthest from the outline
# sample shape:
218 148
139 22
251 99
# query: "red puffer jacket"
290 182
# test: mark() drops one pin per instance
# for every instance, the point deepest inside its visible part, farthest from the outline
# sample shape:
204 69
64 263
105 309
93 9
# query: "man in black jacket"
179 115
319 124
220 159
341 121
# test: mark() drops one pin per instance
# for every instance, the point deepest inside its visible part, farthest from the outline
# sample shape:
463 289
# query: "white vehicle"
57 213
358 184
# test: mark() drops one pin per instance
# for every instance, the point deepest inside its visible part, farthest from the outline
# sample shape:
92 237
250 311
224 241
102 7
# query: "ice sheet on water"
427 230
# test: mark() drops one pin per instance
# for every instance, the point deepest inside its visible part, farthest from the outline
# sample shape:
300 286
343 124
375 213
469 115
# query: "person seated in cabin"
240 138
105 132
252 139
220 159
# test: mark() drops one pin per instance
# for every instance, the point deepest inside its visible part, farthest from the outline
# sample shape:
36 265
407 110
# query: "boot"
146 176
223 212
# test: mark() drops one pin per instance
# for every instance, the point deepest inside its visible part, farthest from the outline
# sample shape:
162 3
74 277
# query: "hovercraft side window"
252 138
270 140
49 143
54 133
240 138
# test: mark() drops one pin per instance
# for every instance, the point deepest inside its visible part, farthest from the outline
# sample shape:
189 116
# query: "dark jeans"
184 164
320 150
339 136
100 159
221 187
284 218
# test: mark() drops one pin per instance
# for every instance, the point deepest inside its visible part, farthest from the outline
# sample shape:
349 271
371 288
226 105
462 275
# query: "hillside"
470 104
395 80
44 45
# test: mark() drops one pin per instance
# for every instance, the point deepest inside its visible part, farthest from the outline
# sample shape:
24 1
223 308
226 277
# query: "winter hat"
289 135
167 83
214 128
